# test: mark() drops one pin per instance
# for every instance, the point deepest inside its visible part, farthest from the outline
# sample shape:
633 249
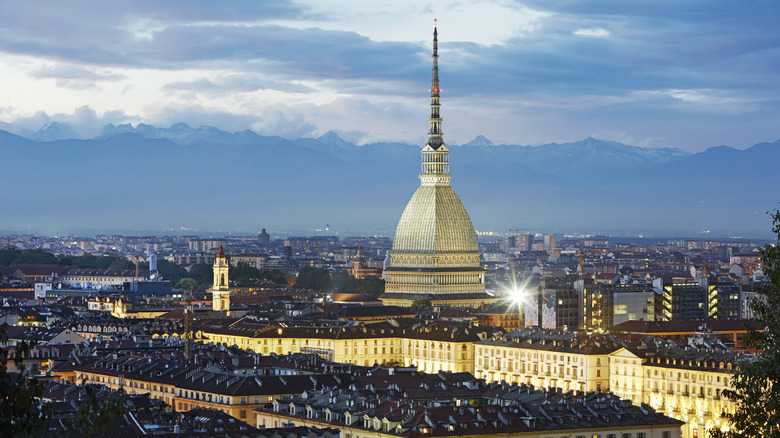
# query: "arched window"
222 279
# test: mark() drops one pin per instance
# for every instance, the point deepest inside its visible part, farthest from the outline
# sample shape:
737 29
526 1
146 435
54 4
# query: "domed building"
435 255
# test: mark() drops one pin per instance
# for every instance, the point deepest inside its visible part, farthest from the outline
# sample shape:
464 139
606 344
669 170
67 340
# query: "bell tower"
220 291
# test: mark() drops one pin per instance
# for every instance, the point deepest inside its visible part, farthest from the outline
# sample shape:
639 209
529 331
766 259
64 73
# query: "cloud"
323 65
237 82
74 72
594 32
84 120
197 115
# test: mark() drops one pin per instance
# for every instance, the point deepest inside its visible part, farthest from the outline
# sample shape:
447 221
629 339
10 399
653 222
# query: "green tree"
187 284
275 275
202 272
421 302
21 412
95 415
9 256
342 282
12 256
121 263
244 274
756 386
313 278
371 285
171 271
38 257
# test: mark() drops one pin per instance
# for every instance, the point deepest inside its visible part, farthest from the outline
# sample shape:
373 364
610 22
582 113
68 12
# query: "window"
626 435
640 435
666 434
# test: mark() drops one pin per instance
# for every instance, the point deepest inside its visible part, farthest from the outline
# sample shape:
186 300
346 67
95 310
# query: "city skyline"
662 75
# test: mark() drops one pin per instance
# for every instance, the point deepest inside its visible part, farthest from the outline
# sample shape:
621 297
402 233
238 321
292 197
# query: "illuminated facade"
686 387
431 347
220 289
707 298
545 359
435 255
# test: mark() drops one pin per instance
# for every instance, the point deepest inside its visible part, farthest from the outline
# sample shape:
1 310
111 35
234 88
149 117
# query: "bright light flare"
517 295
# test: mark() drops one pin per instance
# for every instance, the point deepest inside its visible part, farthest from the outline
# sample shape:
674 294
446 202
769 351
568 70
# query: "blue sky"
680 74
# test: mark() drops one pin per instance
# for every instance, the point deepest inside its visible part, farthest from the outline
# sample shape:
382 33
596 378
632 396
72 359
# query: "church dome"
434 222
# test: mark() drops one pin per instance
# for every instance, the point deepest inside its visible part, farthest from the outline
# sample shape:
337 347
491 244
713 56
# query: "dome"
435 222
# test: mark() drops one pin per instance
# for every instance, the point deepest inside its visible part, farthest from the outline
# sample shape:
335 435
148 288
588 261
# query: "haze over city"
663 75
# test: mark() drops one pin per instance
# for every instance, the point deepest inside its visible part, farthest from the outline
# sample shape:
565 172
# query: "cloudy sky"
662 73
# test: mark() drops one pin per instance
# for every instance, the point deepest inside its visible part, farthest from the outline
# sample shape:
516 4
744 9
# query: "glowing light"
517 295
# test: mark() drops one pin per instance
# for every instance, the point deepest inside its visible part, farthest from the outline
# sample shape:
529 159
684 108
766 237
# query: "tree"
244 275
171 271
756 385
313 278
421 302
187 284
202 272
21 412
12 256
95 414
371 285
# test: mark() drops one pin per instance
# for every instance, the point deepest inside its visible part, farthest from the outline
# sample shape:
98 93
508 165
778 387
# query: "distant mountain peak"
55 131
479 140
180 127
330 137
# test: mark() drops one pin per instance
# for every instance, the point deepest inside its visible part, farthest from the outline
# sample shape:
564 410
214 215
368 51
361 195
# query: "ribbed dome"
434 222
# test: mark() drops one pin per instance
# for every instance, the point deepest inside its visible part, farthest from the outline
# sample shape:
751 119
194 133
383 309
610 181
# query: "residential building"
546 359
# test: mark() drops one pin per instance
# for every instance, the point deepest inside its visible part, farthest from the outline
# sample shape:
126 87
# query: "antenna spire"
434 132
435 156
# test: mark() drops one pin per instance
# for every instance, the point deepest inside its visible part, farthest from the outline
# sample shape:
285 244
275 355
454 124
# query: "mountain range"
181 179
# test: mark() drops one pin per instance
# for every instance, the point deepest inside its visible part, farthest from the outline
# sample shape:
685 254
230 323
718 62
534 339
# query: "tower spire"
435 139
435 155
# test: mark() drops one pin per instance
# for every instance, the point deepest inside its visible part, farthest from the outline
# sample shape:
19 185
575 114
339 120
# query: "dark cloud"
613 58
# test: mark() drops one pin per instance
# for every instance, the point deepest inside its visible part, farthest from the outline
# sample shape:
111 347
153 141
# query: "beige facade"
687 390
430 350
542 367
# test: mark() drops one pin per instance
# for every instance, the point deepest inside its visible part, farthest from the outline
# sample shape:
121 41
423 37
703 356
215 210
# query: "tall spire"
435 155
434 123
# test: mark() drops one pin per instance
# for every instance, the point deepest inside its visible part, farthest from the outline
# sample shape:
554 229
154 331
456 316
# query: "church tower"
435 255
220 291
